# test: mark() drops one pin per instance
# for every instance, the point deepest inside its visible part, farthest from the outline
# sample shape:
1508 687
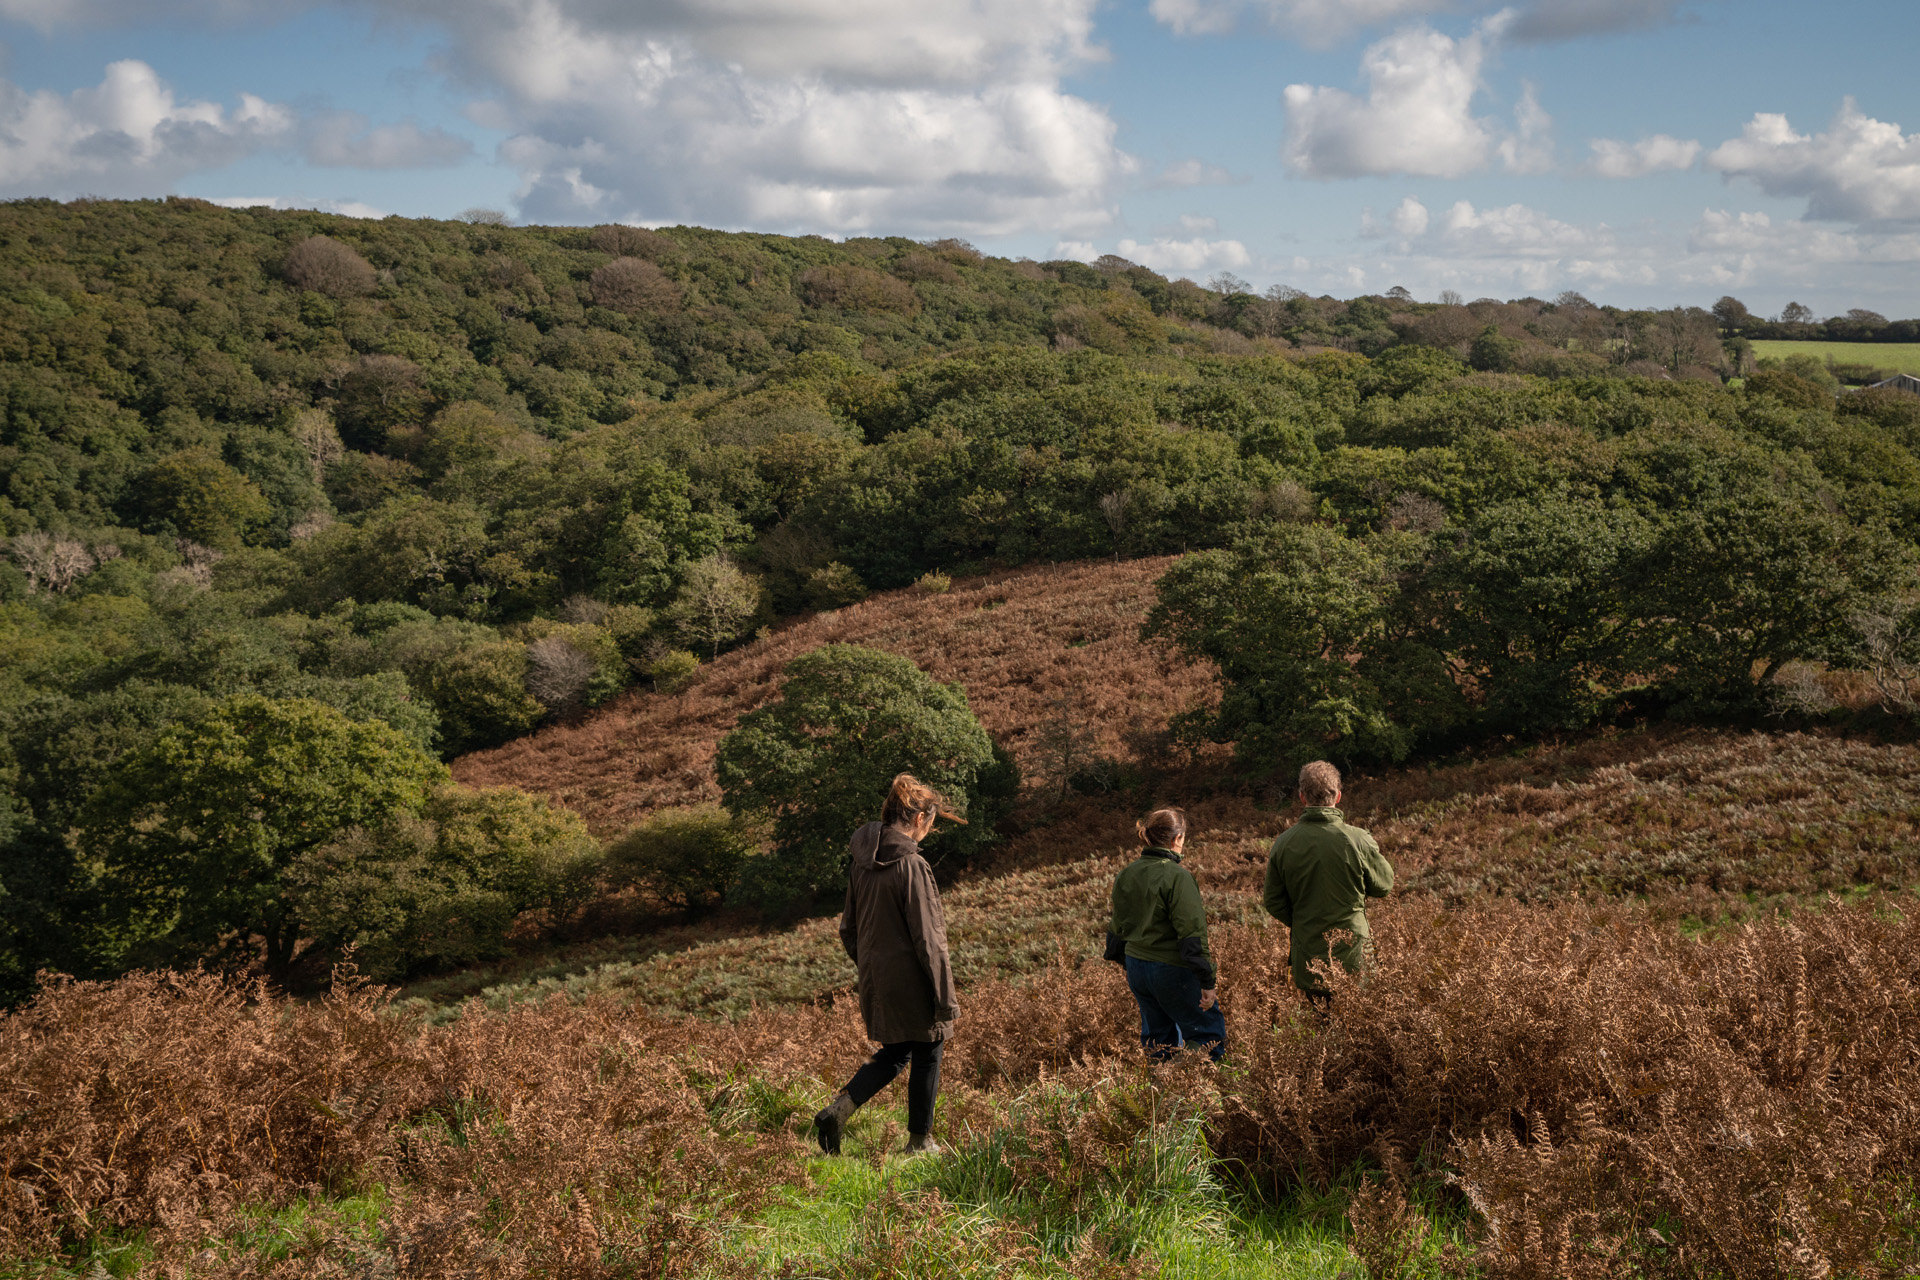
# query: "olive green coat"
895 932
1157 915
1319 876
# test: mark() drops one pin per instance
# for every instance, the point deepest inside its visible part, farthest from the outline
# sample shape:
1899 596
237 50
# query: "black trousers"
923 1086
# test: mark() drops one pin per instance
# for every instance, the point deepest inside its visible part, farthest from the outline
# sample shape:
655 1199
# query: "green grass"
265 1234
860 1208
875 1213
1894 357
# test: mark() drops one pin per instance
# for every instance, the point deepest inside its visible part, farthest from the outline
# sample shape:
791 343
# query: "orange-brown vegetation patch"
1585 1072
1700 822
1029 646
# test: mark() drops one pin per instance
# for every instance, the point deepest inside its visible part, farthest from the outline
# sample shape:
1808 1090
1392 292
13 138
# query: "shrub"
834 586
325 265
817 762
688 858
442 889
934 583
673 670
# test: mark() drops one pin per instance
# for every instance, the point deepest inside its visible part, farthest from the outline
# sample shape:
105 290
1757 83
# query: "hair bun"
1162 827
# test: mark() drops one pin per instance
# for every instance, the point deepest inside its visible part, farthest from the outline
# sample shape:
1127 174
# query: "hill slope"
1036 650
1693 822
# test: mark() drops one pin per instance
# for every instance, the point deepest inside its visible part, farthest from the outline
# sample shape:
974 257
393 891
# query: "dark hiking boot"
829 1124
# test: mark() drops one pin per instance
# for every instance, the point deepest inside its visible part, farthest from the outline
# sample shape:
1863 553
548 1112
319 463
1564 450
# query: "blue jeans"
1170 1012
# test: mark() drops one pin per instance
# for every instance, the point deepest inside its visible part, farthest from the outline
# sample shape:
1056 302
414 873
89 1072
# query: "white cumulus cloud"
1518 230
127 136
1529 148
1186 257
841 116
820 115
1315 22
346 208
1859 170
1657 154
1410 219
1407 222
1417 114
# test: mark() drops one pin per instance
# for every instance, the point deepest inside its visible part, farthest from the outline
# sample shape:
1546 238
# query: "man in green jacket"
1319 876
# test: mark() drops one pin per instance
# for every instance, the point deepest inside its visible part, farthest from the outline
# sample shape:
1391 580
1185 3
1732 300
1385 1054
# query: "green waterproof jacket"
1157 915
1319 876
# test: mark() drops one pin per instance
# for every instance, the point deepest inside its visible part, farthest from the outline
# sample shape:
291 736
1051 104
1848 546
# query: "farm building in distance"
1900 382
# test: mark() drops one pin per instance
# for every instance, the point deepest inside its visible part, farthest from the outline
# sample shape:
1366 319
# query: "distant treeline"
350 495
1796 323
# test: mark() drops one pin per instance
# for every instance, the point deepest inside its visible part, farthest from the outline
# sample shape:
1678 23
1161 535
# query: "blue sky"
1646 152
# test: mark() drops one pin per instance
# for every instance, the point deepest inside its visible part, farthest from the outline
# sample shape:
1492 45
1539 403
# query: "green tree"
194 495
426 892
1493 353
818 760
1542 624
197 828
715 603
480 692
1303 624
1750 579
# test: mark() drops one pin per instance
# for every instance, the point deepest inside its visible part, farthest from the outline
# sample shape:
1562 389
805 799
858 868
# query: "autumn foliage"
1609 1096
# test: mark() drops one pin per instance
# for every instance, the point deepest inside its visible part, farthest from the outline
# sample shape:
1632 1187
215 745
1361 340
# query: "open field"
1894 357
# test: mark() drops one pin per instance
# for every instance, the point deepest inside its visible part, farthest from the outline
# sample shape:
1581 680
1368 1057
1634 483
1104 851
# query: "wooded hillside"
288 494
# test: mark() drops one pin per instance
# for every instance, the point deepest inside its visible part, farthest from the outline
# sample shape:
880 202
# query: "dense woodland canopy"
267 476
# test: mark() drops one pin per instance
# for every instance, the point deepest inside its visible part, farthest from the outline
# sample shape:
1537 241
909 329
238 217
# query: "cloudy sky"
1646 152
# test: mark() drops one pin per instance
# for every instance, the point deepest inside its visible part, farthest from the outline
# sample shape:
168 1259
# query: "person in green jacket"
1158 933
1319 876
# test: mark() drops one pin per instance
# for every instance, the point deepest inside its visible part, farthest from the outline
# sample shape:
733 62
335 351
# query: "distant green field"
1894 357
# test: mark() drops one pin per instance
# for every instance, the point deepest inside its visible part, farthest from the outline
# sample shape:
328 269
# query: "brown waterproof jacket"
896 935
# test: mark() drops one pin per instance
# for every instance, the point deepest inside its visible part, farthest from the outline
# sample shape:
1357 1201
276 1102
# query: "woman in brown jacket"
896 935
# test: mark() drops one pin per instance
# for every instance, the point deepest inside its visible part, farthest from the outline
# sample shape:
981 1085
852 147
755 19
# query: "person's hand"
1208 1000
942 1031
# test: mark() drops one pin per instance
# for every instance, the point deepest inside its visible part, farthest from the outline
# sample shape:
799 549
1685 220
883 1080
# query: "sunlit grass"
1895 357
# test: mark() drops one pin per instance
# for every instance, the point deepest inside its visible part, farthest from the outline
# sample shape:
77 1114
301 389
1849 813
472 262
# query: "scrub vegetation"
511 617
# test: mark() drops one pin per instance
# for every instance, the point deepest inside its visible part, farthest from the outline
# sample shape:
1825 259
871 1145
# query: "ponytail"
909 800
1162 827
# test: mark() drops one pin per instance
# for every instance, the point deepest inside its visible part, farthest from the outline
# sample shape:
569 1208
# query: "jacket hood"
876 845
1322 813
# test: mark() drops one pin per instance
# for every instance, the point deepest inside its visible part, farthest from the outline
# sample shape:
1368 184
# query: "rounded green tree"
197 829
817 762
